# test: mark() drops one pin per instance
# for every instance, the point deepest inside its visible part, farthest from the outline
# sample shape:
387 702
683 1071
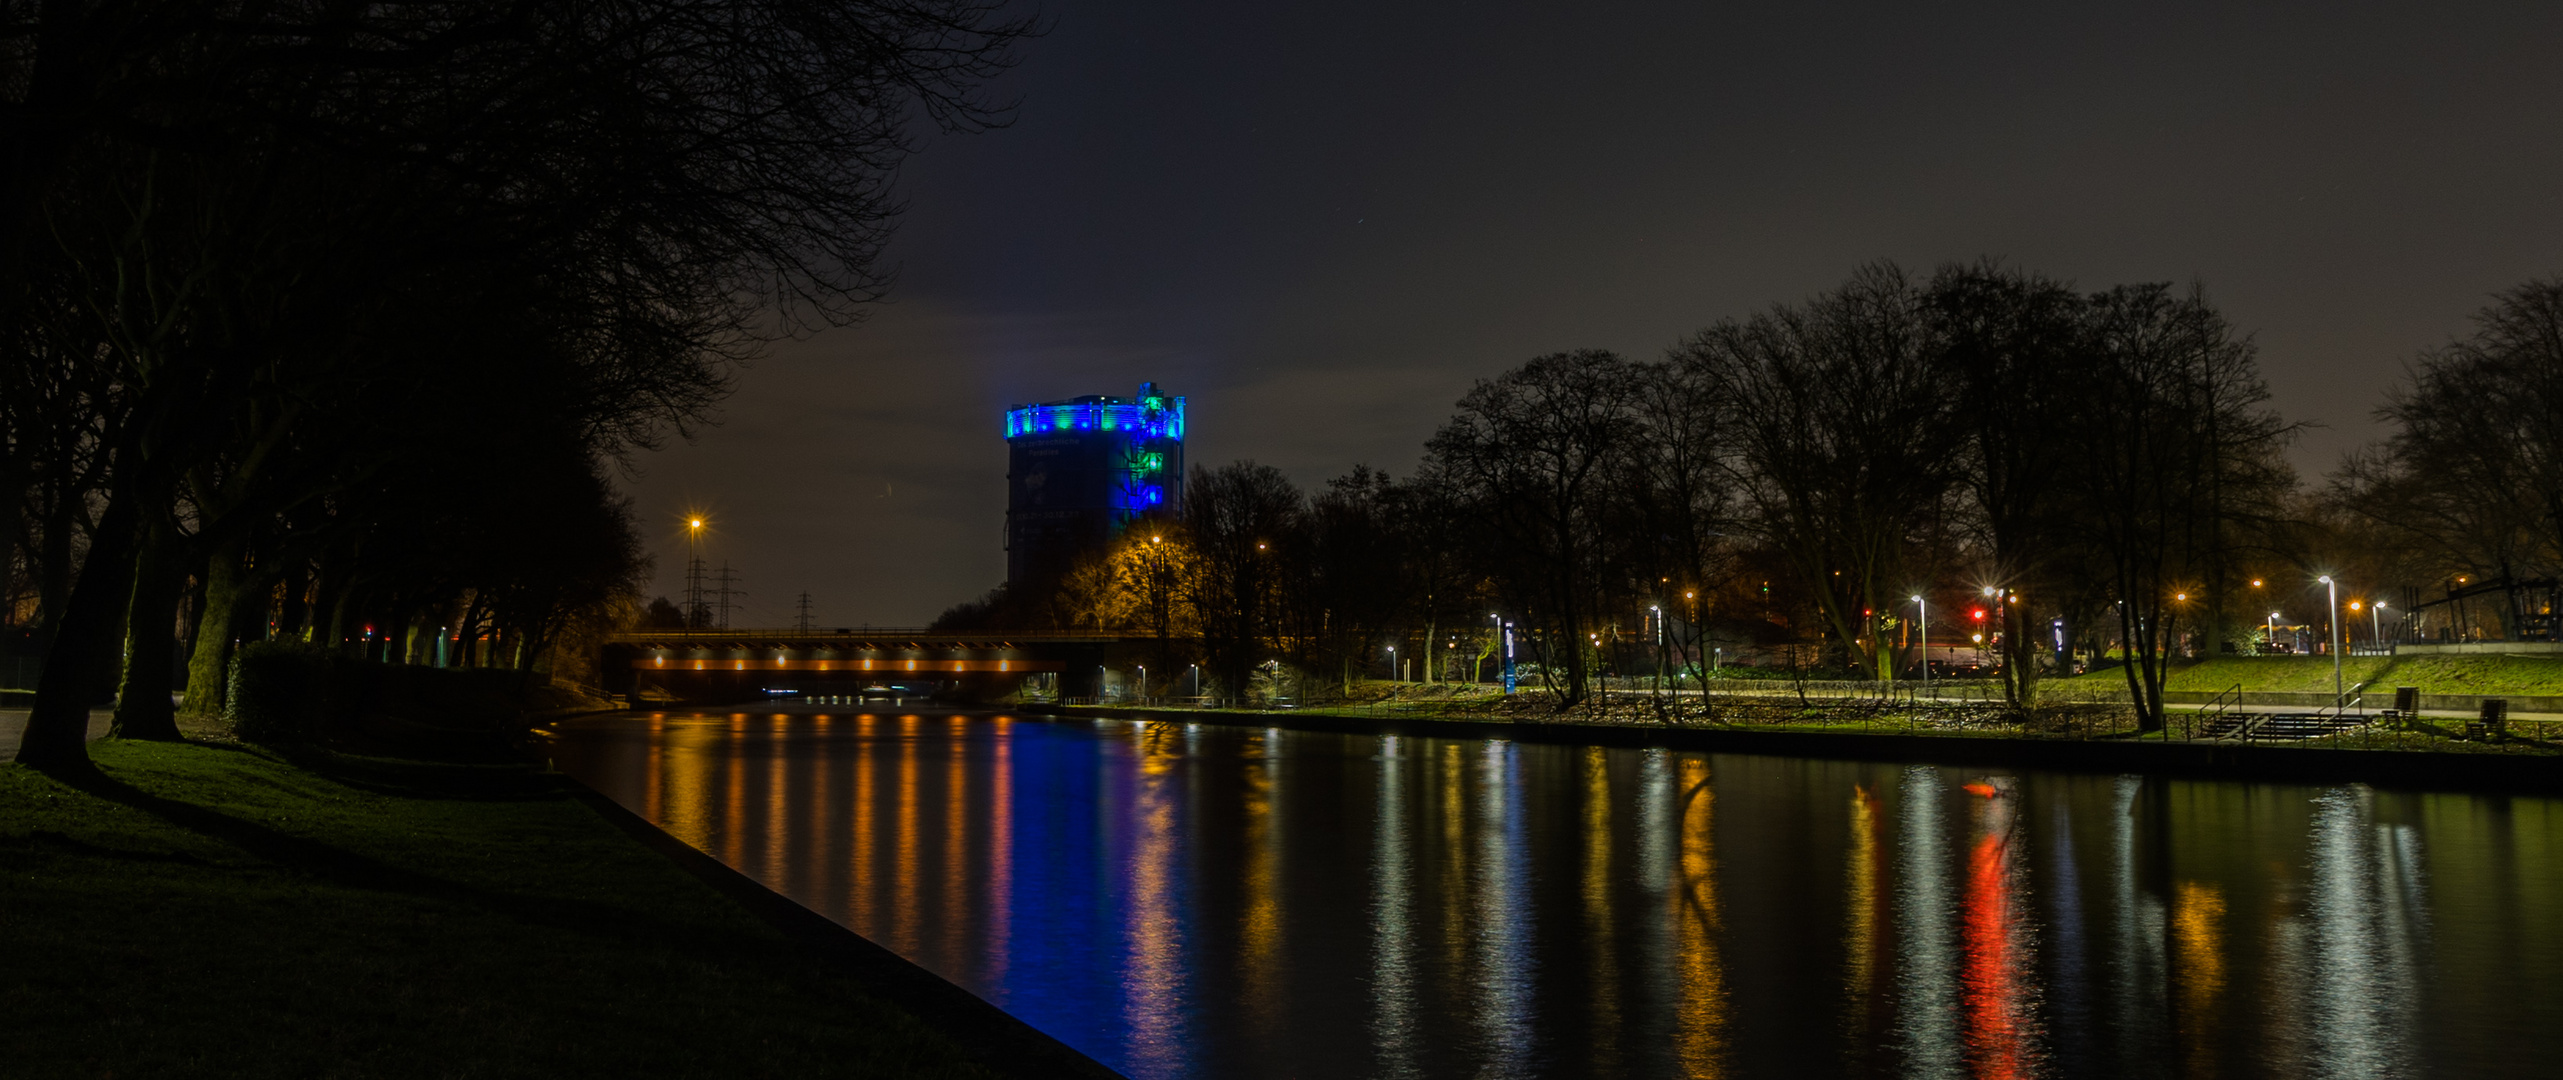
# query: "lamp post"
1392 663
1499 637
693 577
1659 647
2376 624
2332 593
1922 624
1196 672
1143 684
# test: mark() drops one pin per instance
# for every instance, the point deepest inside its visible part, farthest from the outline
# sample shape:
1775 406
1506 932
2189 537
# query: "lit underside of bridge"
740 664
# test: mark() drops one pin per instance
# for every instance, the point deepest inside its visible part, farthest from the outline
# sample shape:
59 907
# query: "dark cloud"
1321 222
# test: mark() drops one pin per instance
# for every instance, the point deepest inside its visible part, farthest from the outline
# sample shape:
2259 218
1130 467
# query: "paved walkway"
13 723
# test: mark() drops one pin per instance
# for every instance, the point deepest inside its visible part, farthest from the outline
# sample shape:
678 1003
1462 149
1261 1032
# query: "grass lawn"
216 911
2489 675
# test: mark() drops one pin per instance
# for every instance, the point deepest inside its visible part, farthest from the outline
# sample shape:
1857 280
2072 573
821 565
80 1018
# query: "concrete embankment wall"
2452 771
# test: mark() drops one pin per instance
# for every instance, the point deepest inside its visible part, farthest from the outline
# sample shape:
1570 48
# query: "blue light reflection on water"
1191 900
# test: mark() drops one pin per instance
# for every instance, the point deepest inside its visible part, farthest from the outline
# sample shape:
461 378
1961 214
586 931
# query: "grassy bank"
2486 675
218 911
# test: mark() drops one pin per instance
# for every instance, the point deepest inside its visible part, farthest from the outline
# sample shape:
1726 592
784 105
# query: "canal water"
1197 900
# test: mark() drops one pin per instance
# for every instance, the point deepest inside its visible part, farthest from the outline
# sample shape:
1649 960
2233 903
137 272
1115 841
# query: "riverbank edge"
995 1038
2478 773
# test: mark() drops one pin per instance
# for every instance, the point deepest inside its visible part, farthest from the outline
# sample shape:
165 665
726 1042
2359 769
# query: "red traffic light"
1980 613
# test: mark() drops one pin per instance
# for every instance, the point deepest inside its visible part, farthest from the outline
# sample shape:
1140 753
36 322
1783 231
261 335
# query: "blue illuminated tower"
1080 471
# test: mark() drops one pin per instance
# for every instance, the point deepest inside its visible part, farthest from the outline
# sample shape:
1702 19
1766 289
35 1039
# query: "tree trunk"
293 611
53 561
226 582
143 710
84 643
13 494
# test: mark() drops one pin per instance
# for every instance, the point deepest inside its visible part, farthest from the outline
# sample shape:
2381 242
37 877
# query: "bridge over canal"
754 664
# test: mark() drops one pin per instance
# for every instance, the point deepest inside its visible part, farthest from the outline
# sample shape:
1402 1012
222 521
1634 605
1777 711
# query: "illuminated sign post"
1508 658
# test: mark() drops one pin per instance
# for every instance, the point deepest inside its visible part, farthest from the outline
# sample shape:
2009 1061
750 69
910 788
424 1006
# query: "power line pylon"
801 623
728 579
698 613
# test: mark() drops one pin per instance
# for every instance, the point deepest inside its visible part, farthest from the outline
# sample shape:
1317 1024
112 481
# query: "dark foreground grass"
218 911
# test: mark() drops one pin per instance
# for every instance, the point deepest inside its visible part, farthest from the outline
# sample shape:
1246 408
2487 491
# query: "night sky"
1322 222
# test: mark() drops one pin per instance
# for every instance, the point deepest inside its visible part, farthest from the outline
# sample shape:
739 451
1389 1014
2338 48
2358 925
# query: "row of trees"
2104 458
325 320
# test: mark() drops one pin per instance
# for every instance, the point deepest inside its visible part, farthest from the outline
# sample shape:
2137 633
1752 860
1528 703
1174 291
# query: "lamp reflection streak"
903 871
777 812
1393 982
2363 990
1700 1035
734 810
1599 928
2198 933
1863 936
954 848
1502 911
1001 850
1999 984
1153 983
1260 923
861 913
1926 979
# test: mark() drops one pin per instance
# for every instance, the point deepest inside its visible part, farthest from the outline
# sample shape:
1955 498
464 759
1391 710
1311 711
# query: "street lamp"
1392 663
2376 624
2332 593
1922 622
1196 671
693 577
2269 630
1143 684
1659 647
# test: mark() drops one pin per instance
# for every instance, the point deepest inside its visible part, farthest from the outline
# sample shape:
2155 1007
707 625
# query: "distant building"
1080 471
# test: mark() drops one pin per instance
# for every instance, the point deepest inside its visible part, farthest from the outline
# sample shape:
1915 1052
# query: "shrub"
276 692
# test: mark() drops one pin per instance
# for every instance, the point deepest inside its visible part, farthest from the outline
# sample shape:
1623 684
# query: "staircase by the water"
2277 727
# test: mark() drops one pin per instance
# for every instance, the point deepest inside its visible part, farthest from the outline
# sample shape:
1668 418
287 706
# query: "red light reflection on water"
1999 991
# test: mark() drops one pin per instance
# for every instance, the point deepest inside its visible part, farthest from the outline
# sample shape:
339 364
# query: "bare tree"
2180 454
2471 480
1535 450
1844 445
2012 346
